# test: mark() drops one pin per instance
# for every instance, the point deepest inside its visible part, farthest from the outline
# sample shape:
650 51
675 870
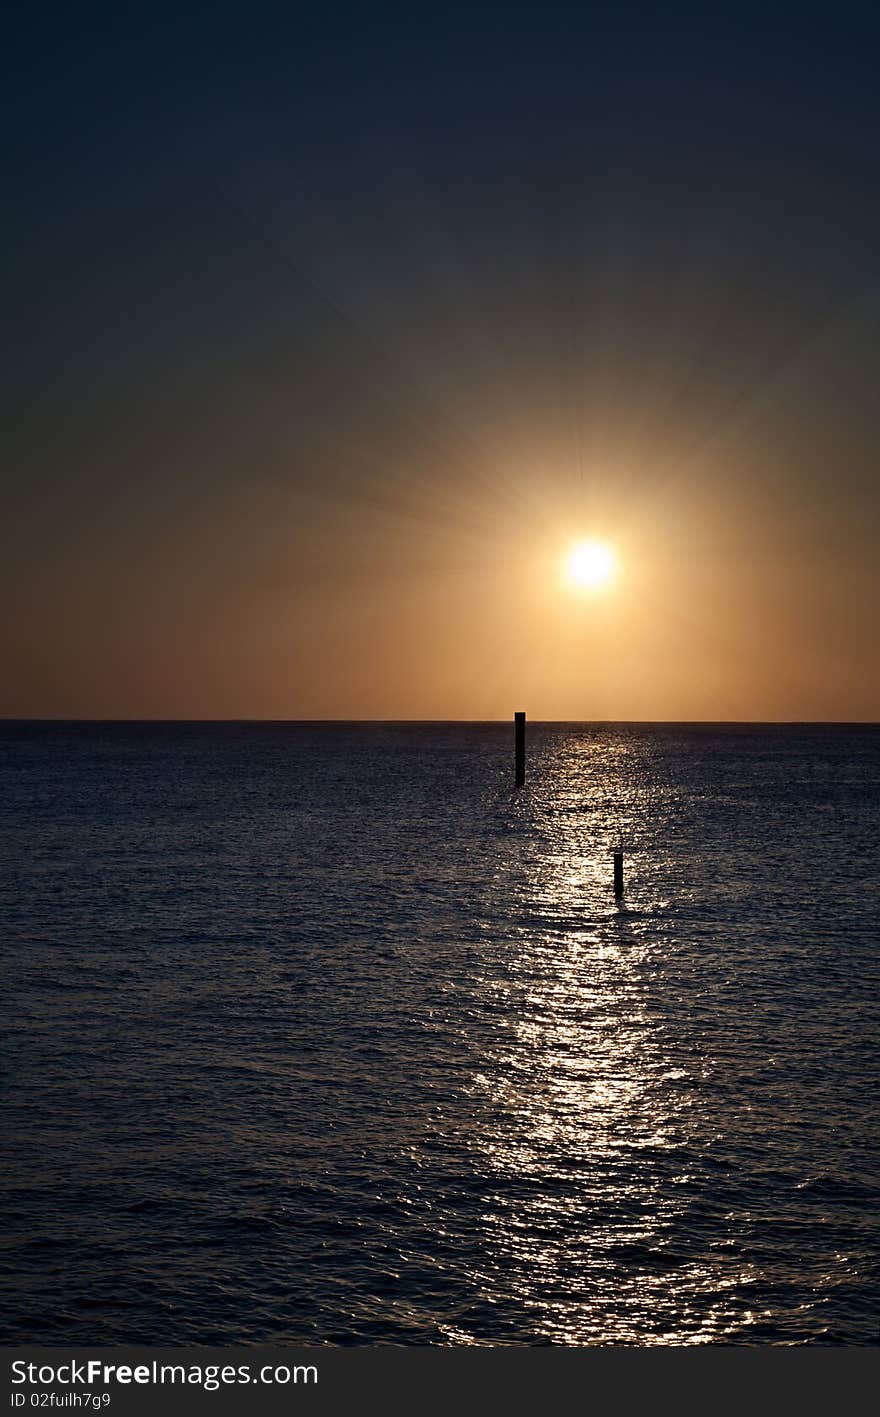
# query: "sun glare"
590 564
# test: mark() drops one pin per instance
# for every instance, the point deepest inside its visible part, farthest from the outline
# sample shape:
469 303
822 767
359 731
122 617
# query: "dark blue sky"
347 270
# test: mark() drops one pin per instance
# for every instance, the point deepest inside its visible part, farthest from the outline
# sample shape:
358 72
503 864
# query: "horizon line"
629 722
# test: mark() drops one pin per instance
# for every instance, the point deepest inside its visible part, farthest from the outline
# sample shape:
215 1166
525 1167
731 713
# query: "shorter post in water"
520 721
618 870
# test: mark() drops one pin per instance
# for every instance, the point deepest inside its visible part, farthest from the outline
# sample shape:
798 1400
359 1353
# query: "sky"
330 329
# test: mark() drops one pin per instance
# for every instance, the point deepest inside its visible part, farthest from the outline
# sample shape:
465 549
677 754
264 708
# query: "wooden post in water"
618 871
520 721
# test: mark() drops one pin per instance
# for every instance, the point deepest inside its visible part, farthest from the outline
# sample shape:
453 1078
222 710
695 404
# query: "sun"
590 564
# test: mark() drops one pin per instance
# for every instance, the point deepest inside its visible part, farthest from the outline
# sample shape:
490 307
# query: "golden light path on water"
596 1108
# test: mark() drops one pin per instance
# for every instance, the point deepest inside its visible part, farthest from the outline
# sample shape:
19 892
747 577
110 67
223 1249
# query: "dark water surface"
323 1033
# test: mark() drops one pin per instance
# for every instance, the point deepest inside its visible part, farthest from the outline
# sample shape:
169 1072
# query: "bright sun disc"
590 563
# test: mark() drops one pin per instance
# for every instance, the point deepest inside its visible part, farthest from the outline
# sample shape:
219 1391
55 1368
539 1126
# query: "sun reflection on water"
588 1159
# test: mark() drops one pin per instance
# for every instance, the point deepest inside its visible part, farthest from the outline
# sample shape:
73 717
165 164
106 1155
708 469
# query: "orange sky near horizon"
450 602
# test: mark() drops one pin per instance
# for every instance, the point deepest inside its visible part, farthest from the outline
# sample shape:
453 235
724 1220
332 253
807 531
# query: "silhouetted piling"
520 721
618 871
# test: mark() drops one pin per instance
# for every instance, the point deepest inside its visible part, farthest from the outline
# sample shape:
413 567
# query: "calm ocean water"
323 1033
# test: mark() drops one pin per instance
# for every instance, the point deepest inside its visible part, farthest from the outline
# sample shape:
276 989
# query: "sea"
326 1033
